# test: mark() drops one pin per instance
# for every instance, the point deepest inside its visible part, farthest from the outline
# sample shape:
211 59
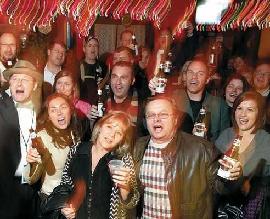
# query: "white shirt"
59 156
27 121
48 76
2 68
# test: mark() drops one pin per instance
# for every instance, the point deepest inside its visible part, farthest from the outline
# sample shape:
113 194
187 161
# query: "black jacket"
10 155
99 185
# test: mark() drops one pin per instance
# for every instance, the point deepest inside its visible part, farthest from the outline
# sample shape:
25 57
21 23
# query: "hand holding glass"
120 174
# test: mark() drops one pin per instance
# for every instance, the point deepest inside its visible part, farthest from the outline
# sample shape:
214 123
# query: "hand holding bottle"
234 169
33 156
188 27
152 85
230 166
93 113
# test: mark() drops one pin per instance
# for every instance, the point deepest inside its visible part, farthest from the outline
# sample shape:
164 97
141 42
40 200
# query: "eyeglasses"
263 74
6 44
152 116
20 80
200 73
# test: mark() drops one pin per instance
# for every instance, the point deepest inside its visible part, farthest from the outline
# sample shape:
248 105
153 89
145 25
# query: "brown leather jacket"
192 166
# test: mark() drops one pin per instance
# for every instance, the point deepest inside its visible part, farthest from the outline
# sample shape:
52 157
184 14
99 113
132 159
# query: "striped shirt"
152 176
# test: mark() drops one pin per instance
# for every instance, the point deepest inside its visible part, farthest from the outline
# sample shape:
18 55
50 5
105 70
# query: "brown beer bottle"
135 45
100 104
230 157
161 80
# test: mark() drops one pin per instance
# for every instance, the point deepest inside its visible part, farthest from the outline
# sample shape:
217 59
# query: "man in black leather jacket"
177 171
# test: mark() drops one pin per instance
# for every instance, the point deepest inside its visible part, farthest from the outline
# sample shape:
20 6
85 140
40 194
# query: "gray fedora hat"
23 67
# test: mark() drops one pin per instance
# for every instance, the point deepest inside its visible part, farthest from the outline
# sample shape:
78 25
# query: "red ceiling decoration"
40 13
33 14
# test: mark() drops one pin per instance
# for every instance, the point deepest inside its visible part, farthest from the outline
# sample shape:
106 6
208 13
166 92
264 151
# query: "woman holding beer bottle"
254 155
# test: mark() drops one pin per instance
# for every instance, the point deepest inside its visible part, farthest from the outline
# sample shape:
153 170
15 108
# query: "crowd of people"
61 130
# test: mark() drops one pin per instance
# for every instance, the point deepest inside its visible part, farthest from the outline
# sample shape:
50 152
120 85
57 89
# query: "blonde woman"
106 195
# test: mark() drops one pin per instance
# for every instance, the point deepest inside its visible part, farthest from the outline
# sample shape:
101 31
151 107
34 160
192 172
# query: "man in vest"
123 95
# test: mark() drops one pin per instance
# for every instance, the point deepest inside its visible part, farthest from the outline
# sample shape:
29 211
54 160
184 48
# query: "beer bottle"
107 90
230 157
135 45
100 105
99 77
200 126
46 162
212 60
168 64
161 79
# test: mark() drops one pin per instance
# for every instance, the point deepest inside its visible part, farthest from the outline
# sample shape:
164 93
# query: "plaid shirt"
152 176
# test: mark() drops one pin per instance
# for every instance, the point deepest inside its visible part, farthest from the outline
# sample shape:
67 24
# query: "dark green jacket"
216 106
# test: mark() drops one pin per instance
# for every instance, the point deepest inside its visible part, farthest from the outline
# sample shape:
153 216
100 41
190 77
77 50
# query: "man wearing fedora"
23 79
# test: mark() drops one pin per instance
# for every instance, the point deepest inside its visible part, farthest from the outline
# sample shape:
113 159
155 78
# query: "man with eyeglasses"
177 171
261 78
195 96
8 53
23 80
